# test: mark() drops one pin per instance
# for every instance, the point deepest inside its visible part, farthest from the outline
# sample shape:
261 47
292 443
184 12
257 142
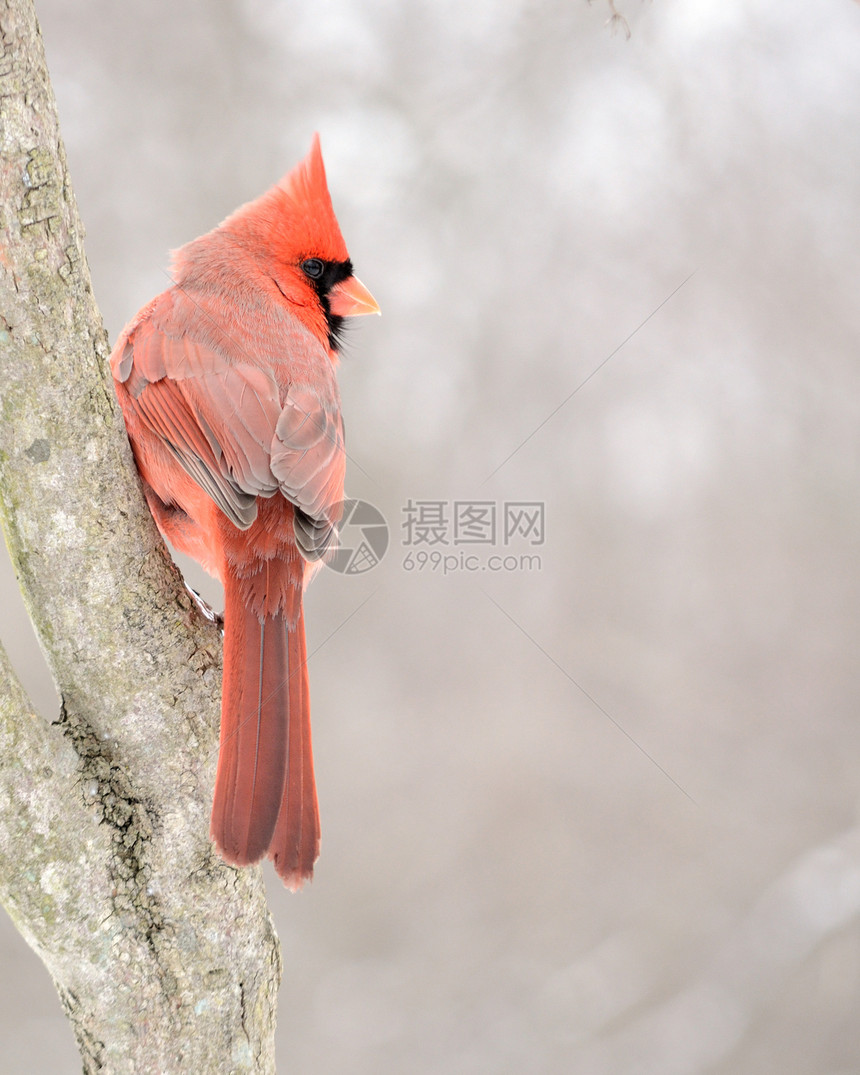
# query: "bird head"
293 233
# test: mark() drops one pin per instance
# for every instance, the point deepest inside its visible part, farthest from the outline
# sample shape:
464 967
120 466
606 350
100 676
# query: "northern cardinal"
227 384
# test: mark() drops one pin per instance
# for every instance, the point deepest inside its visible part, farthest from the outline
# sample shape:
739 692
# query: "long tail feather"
295 845
252 761
265 795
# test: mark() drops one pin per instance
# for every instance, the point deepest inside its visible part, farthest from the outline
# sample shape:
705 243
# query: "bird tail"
265 797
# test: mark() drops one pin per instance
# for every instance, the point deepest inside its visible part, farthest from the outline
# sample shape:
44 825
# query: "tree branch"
165 958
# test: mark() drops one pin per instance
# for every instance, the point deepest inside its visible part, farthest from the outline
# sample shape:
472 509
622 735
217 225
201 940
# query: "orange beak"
350 298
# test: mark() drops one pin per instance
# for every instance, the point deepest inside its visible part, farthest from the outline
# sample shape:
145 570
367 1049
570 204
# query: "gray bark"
165 958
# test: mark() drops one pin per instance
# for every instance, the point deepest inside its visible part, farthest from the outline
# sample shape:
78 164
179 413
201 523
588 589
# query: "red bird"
227 385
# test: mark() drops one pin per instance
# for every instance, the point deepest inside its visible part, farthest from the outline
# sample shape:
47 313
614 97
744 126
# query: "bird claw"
214 617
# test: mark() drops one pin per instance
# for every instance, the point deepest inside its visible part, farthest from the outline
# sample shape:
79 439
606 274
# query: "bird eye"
313 268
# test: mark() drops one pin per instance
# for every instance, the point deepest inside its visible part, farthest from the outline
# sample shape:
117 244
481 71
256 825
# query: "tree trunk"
165 958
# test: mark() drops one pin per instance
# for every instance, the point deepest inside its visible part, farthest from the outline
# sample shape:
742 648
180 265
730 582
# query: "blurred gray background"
599 817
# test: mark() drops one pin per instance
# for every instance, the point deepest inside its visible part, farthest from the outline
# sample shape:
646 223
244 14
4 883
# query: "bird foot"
214 617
